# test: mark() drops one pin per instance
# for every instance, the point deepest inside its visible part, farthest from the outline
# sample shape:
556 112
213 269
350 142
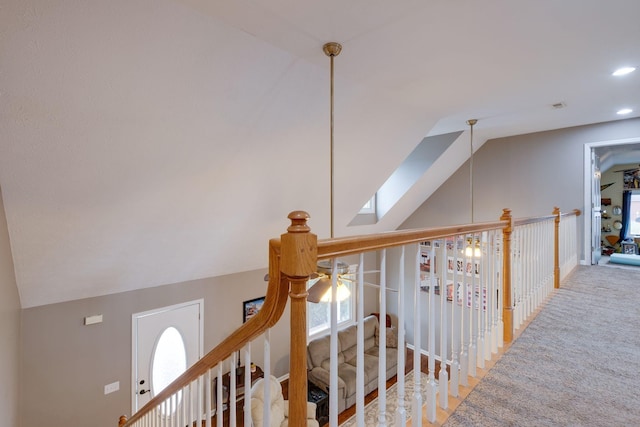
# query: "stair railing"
502 282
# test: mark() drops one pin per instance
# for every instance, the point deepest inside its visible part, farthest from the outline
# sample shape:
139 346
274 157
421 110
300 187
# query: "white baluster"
464 319
500 294
417 392
432 387
481 283
267 375
490 287
455 325
473 317
233 386
192 402
333 348
360 345
183 418
248 420
401 411
207 393
201 398
219 397
382 340
443 376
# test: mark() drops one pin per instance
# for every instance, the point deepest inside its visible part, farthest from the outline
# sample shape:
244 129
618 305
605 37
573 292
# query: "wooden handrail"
518 222
333 248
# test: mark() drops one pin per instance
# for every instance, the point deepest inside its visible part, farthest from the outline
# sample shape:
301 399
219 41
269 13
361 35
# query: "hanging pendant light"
320 290
473 244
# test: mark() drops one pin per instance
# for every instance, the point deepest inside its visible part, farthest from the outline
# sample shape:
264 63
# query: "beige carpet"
371 410
577 364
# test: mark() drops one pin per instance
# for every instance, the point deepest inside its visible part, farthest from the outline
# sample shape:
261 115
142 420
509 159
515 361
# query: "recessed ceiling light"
625 111
624 70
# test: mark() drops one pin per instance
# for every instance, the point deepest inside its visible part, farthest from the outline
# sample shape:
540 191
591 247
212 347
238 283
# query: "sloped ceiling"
147 142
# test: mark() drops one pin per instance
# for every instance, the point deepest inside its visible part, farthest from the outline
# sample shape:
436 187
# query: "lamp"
473 245
320 289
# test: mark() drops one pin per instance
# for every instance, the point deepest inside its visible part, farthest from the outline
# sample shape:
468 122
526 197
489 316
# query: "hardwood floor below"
346 414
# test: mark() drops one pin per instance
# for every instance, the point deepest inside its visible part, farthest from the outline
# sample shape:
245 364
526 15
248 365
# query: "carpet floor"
577 363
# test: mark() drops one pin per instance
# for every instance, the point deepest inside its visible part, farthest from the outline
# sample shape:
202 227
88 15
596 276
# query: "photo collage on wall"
461 269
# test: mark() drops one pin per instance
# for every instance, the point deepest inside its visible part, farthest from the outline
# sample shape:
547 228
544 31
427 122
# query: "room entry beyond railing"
455 294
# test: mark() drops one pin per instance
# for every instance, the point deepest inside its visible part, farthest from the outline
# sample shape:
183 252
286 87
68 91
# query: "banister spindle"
299 255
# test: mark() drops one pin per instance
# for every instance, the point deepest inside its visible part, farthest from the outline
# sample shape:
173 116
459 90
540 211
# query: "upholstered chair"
279 407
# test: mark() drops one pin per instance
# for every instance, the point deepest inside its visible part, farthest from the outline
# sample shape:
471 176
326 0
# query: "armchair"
279 406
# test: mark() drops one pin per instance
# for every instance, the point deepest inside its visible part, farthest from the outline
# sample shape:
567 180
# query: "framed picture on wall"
251 307
629 248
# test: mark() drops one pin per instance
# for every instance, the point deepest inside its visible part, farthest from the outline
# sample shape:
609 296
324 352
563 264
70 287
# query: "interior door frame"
588 182
134 337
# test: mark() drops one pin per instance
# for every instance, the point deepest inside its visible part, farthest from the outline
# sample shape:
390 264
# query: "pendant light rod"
471 122
331 49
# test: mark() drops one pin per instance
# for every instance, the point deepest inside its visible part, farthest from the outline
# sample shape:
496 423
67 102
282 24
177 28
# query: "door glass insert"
169 362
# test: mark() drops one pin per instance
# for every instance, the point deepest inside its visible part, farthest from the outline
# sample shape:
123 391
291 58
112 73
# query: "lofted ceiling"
148 142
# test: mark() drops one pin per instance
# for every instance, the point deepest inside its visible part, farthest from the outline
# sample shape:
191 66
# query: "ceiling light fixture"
320 289
624 111
471 249
623 71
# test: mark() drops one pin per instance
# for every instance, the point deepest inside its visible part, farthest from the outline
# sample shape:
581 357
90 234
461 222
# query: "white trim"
588 147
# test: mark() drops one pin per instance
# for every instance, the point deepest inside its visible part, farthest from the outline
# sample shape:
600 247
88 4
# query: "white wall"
9 331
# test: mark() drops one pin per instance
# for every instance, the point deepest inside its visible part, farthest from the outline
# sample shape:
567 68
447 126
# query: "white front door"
166 341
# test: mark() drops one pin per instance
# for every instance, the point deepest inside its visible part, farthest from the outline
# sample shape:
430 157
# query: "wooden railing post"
507 301
556 248
299 256
122 421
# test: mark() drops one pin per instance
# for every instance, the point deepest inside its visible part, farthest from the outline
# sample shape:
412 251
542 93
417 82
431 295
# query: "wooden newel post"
122 421
299 256
507 300
556 248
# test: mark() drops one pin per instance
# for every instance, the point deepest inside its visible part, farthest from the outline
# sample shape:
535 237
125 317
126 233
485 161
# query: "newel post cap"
299 249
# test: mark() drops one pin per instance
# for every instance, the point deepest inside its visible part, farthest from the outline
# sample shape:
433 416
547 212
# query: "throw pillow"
392 337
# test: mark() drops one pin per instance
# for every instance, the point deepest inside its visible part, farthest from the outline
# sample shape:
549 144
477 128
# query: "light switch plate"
110 388
90 320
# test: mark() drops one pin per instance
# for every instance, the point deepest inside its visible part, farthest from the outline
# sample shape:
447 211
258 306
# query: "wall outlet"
110 388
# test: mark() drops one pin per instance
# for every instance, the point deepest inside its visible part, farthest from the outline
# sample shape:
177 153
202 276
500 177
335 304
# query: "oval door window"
168 363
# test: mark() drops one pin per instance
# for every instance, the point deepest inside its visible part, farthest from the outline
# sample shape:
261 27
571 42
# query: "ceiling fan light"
342 293
320 291
472 250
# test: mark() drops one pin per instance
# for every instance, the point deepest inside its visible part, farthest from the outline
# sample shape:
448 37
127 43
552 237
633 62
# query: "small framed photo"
251 307
426 261
629 248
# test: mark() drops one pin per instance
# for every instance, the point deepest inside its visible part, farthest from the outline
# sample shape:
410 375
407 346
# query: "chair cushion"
277 403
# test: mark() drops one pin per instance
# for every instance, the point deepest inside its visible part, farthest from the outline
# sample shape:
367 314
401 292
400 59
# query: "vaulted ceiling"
147 142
